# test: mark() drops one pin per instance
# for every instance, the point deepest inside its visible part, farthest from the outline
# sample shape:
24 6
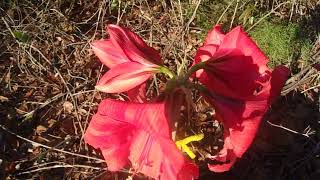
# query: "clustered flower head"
234 79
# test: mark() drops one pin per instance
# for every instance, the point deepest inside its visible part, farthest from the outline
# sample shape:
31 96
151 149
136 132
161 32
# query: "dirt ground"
48 73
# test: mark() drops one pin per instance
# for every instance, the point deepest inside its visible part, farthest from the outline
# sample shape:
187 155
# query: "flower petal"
241 118
108 54
133 46
238 39
140 133
203 54
124 77
229 71
112 137
236 63
279 77
158 157
225 159
215 36
138 94
241 86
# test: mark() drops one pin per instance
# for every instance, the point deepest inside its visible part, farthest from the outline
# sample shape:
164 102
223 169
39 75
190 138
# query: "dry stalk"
48 147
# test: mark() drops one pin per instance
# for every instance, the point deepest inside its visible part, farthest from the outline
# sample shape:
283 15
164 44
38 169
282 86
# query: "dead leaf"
68 106
51 122
4 99
83 112
40 129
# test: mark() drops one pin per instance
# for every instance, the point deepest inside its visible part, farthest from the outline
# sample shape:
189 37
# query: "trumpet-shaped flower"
241 87
138 133
130 59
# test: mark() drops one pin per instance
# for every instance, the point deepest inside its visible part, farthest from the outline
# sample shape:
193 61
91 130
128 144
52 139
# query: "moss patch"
207 15
279 42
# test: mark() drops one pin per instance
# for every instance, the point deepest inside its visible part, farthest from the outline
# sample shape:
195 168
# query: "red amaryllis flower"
130 59
140 133
241 87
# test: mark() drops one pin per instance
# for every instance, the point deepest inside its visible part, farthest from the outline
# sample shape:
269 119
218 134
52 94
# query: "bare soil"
48 74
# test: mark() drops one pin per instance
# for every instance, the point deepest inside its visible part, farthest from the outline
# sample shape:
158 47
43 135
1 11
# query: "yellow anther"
182 144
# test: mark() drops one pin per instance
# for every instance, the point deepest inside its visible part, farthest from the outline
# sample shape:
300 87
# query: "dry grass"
48 72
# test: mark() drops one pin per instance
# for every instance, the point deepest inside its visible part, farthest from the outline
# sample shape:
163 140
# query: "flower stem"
166 71
183 80
193 69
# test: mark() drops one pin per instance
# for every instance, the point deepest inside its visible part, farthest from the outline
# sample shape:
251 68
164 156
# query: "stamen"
182 144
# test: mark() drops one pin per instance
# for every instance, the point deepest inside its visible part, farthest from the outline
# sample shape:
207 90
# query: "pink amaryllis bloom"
241 87
138 133
130 59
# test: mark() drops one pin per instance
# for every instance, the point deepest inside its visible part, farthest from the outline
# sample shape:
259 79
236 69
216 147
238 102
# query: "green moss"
279 42
306 49
275 41
207 15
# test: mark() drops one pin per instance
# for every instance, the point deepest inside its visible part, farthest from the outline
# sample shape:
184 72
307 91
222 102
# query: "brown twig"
48 147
